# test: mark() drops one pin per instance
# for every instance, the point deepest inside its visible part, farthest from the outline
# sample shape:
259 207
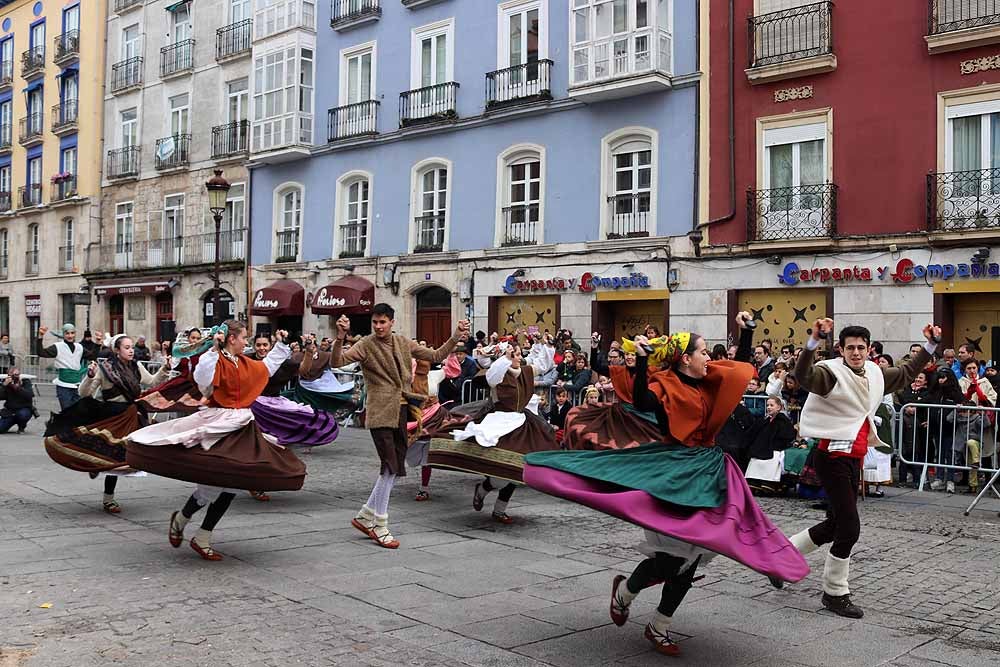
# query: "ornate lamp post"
218 189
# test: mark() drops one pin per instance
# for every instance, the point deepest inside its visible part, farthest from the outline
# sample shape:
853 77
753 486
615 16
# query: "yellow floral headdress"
667 350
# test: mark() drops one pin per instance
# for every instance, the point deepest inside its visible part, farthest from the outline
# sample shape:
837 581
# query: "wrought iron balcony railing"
803 212
234 39
30 129
287 246
195 250
791 34
520 225
428 104
6 73
5 138
67 46
344 12
123 162
353 120
31 262
951 15
230 139
354 240
630 215
67 259
173 151
64 116
64 189
6 202
126 74
963 200
430 232
33 60
519 84
30 195
177 58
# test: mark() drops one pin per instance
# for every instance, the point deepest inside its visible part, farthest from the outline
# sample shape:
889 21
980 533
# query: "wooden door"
434 325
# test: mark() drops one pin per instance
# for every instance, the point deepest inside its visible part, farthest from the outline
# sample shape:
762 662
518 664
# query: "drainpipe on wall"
249 252
696 234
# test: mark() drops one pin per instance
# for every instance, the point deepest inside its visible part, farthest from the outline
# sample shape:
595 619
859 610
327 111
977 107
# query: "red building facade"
863 134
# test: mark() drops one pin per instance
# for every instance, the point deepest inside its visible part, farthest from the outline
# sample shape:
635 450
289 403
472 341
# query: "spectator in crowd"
450 389
768 345
756 404
788 355
794 397
914 350
558 412
156 352
582 377
567 369
966 353
774 382
591 395
142 352
18 396
6 353
975 387
992 374
947 360
971 429
718 352
913 446
731 352
946 391
651 332
886 361
763 362
875 350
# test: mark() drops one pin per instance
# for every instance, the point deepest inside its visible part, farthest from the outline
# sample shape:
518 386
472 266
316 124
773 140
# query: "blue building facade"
453 140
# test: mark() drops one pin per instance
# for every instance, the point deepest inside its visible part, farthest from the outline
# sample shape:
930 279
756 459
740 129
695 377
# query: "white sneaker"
937 485
951 487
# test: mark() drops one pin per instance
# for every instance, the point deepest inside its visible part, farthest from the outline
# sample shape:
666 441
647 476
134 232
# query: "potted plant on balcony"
61 177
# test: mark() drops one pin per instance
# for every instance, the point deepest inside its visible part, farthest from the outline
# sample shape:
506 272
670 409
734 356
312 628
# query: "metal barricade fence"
949 438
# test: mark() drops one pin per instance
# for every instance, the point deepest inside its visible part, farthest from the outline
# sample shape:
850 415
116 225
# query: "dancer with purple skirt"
690 497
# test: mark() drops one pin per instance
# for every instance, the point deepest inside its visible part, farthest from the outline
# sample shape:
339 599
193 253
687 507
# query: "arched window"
628 177
66 253
289 223
353 215
430 202
31 256
520 192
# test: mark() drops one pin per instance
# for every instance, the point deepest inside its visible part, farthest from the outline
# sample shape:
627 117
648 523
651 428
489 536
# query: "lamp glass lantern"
218 190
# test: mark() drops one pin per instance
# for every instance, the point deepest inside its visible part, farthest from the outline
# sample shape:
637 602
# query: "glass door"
522 48
123 236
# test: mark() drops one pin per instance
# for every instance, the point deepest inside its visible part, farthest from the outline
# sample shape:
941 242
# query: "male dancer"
843 397
69 356
386 361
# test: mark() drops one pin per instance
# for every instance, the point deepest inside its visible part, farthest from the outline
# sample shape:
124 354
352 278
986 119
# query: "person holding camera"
19 396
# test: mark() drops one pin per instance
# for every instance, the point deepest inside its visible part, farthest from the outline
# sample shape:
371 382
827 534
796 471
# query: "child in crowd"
557 413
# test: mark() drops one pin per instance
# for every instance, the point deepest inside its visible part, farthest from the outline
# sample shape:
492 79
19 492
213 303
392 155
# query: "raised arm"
642 398
598 361
815 379
147 379
204 372
338 357
277 356
91 382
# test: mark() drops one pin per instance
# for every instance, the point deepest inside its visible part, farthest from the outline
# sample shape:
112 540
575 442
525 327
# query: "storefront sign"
132 288
905 271
260 302
32 305
588 282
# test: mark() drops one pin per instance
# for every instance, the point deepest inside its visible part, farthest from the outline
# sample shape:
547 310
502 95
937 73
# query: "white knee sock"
203 538
378 501
499 506
661 623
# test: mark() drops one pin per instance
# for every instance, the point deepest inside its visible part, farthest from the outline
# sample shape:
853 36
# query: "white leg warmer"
803 542
835 574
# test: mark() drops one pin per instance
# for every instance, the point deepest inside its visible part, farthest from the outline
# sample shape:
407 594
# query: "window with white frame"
165 248
357 112
792 201
34 243
66 253
430 207
630 161
282 98
522 41
129 128
6 120
179 115
124 235
130 42
289 224
4 252
972 165
432 54
616 38
522 171
274 16
5 183
354 215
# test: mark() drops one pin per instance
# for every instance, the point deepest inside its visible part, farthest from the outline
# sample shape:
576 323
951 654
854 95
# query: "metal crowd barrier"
928 434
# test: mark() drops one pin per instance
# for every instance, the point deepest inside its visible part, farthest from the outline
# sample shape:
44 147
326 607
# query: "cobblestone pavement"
299 586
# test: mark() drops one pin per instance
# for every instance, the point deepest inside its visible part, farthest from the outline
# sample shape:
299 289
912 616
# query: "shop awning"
280 298
137 287
350 295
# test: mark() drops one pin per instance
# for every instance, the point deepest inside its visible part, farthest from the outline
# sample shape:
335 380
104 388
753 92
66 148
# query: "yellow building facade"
51 129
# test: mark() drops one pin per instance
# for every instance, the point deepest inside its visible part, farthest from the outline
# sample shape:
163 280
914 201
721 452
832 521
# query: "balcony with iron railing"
521 223
31 129
177 58
353 120
30 195
429 232
126 75
354 240
234 40
790 43
123 5
286 246
64 117
123 163
630 215
429 104
6 74
31 262
347 14
520 84
6 133
67 259
802 212
63 187
173 152
157 253
33 61
67 47
962 24
6 202
961 201
230 140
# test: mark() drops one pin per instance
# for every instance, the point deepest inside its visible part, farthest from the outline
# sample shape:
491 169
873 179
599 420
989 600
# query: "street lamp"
218 189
